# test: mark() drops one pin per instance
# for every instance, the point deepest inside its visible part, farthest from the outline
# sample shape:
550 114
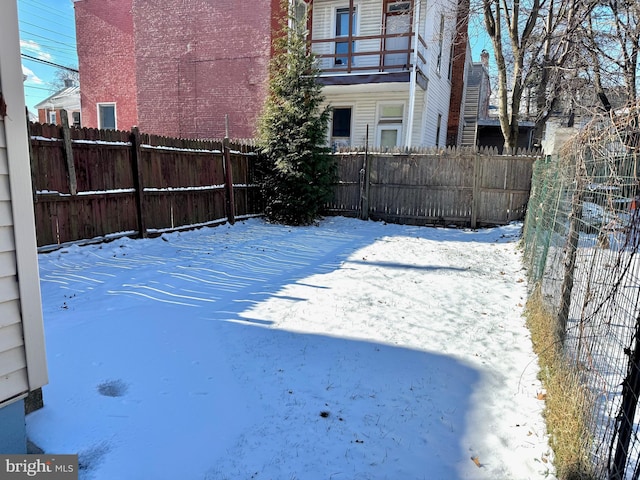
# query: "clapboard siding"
7 240
17 381
5 191
10 338
366 106
7 264
368 22
22 353
12 360
9 289
6 216
9 313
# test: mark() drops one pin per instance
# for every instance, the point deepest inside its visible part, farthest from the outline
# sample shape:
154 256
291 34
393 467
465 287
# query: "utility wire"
52 64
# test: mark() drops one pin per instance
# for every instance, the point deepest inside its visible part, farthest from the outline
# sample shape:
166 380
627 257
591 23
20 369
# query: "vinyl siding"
365 106
22 352
368 22
13 366
365 99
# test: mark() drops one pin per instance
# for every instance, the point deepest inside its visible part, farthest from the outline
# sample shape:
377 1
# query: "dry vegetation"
566 412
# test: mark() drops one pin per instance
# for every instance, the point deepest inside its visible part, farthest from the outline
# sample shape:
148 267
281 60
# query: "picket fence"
462 187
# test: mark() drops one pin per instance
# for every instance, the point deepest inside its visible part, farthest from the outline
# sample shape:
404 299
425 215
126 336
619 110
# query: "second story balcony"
371 42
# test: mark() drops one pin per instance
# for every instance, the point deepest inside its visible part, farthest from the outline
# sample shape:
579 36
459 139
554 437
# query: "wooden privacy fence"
463 187
93 184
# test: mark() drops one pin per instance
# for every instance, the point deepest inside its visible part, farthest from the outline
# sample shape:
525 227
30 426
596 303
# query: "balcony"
383 50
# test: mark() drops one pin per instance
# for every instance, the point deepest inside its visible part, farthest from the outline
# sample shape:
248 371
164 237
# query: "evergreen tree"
298 170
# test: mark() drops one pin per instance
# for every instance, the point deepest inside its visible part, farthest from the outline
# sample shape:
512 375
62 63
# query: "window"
440 42
299 15
438 129
389 135
341 127
76 119
342 30
107 116
51 117
391 112
397 21
390 124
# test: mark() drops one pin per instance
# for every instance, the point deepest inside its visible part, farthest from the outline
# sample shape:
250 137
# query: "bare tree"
614 37
62 77
532 41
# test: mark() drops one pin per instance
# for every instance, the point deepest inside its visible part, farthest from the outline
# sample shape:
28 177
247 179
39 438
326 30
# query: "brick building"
174 67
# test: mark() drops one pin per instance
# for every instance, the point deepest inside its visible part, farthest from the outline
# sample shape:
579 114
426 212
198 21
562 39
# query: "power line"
68 46
42 7
45 62
37 88
47 30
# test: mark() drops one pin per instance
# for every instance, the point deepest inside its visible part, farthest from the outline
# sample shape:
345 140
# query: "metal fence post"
625 419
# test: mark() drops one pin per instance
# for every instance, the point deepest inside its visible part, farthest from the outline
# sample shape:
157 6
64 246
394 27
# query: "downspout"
413 78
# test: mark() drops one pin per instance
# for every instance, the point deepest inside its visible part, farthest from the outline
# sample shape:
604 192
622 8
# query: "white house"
67 99
386 69
22 354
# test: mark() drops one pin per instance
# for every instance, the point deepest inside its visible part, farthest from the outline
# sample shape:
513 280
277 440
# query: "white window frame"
115 113
52 117
390 123
389 126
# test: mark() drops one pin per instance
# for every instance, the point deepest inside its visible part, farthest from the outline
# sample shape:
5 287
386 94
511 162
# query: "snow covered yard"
348 350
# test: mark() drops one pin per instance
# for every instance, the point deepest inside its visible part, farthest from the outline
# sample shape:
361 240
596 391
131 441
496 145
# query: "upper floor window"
52 117
76 119
107 116
345 29
299 13
397 29
440 44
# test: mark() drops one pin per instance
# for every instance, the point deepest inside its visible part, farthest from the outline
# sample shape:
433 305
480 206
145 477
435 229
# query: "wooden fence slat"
68 153
136 159
228 177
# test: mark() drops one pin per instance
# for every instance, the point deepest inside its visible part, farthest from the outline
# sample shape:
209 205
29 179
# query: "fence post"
228 181
34 187
138 184
68 152
572 246
625 419
475 200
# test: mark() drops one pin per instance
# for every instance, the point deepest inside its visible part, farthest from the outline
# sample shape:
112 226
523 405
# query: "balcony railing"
368 54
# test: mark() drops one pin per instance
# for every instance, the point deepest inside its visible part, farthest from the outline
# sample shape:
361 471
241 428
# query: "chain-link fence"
581 239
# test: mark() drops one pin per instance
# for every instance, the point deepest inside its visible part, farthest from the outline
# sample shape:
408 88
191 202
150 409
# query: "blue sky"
47 33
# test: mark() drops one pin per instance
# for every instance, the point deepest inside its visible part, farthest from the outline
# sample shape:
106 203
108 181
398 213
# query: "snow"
177 149
185 189
347 350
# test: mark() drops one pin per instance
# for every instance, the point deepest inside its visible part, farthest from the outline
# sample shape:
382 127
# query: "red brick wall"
104 30
199 60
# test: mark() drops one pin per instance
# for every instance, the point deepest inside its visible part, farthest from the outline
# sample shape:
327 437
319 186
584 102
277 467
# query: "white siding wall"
13 364
365 101
439 88
22 354
368 22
